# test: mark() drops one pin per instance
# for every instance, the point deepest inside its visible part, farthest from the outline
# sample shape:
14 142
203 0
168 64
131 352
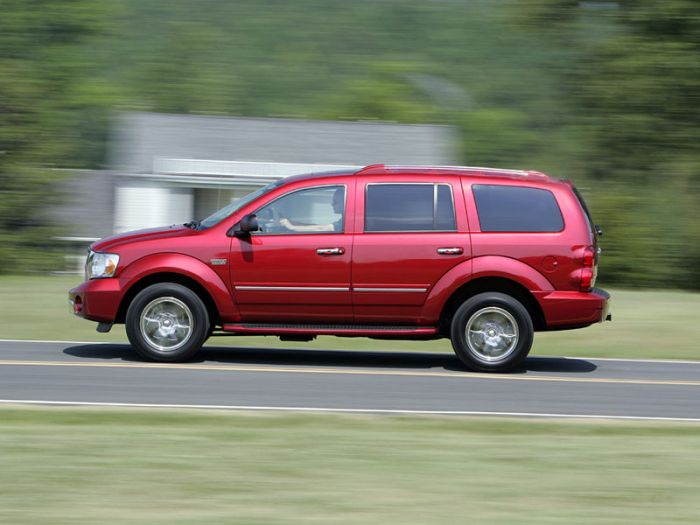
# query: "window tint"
313 210
445 213
517 209
409 207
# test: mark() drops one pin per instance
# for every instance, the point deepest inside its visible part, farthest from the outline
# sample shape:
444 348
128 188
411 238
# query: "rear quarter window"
517 209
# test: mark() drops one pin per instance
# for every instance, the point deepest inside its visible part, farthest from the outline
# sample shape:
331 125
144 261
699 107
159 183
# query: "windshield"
226 211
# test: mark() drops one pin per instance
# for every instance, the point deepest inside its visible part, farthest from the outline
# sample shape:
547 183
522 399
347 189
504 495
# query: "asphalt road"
38 372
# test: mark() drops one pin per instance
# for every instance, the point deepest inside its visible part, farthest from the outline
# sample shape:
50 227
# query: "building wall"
144 205
139 138
170 169
86 206
174 168
208 200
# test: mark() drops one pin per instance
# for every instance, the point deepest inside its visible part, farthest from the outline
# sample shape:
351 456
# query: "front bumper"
564 310
96 300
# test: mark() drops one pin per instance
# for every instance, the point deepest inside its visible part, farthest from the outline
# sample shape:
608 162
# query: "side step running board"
323 329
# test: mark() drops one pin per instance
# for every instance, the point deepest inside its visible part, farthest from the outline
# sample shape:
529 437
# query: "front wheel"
167 322
491 332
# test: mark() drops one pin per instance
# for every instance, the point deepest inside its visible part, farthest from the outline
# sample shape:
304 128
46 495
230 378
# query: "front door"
297 268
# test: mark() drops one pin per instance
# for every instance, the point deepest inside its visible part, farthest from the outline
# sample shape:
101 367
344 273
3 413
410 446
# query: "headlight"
99 265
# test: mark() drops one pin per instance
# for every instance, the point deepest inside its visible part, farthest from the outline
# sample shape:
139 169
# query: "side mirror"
249 223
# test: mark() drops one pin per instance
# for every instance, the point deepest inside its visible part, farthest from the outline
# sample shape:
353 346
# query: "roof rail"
383 168
463 168
372 168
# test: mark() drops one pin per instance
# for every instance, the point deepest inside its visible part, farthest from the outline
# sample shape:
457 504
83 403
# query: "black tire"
166 309
492 328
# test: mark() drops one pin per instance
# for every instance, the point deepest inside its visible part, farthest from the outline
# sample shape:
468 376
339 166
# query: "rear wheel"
491 332
167 322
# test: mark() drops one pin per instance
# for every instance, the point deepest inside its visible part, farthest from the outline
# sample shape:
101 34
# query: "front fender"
476 268
183 265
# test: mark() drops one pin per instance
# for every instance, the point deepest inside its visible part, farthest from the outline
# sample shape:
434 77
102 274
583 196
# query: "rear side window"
517 209
409 207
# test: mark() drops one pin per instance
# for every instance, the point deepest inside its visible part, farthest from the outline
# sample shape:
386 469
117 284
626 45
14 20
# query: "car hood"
150 234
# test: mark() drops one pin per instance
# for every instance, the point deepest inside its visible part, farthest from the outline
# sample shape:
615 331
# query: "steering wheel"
269 220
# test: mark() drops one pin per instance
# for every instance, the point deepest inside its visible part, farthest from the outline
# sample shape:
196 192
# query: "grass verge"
646 324
167 467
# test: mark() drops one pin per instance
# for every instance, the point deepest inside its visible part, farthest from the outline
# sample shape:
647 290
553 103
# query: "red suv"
483 256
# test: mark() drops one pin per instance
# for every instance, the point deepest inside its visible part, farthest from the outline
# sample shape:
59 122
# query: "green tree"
46 114
632 107
640 103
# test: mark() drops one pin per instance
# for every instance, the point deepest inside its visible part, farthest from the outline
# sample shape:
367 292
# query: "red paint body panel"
573 309
104 296
556 256
388 278
348 332
285 263
187 266
291 261
100 299
403 260
476 268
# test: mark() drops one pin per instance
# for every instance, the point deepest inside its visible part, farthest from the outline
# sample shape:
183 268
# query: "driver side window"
311 210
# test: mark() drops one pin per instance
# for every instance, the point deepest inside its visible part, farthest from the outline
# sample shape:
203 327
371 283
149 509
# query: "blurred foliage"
640 105
46 117
604 93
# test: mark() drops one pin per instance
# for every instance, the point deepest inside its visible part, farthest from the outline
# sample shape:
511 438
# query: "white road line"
632 360
620 359
254 408
60 342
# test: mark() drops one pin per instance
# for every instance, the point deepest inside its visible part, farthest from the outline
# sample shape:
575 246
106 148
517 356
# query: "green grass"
647 324
73 466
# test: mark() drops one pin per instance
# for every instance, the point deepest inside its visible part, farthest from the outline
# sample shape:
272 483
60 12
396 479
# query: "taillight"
589 270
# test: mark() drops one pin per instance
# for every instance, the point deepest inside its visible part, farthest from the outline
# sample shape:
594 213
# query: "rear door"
409 233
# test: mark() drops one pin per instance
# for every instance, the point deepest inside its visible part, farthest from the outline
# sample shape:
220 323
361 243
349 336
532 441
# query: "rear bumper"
96 300
564 310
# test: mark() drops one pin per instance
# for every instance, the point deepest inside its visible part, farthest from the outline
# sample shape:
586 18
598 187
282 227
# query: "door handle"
450 251
330 251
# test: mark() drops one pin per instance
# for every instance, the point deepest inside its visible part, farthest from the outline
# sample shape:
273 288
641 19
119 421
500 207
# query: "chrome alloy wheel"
166 323
492 334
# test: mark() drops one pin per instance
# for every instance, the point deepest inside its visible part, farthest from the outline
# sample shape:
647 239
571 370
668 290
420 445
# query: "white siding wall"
143 205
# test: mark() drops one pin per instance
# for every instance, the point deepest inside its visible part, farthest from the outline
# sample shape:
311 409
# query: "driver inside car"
337 202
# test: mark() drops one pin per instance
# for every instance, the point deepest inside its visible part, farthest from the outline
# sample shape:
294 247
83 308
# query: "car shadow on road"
333 358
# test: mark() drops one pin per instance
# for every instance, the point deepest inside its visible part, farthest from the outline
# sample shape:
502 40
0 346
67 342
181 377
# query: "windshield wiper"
194 225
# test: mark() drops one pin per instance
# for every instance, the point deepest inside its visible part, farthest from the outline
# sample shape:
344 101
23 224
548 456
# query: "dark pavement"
268 378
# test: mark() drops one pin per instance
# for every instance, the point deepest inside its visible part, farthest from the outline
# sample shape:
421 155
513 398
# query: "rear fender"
187 266
476 268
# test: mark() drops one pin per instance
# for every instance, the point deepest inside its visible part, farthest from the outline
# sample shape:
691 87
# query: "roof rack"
464 168
370 169
382 168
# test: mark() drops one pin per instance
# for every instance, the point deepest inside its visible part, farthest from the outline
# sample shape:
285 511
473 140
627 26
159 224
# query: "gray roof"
139 138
